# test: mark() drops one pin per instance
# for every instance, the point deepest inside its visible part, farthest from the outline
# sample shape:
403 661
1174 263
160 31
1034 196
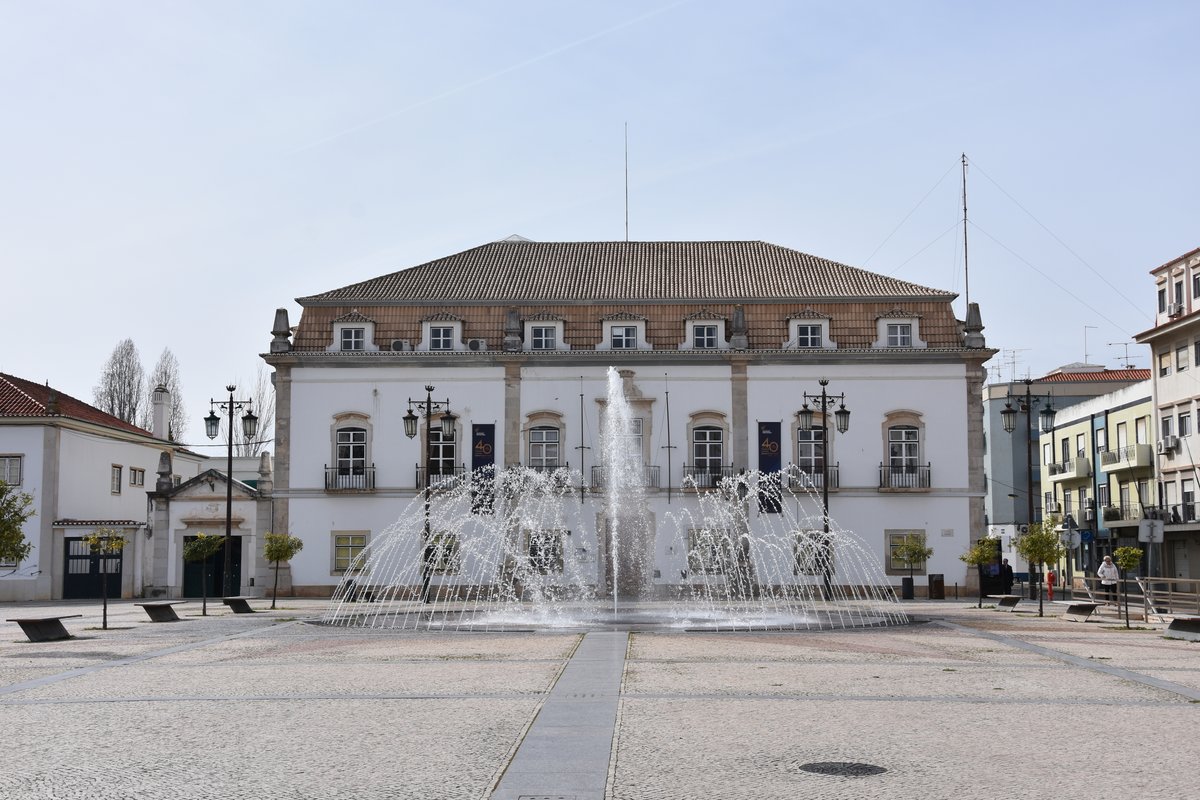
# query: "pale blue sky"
173 172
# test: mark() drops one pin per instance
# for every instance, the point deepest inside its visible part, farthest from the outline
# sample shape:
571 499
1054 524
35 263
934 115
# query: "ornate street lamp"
805 422
1045 424
212 426
446 422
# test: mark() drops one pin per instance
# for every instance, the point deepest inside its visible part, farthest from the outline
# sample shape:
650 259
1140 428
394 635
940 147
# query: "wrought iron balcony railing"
649 477
350 479
907 476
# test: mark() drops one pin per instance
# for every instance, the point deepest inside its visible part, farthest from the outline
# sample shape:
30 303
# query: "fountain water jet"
522 549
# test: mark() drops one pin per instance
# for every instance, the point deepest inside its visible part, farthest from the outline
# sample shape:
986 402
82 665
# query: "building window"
115 479
708 449
623 337
1080 444
1166 426
1179 292
347 547
351 458
137 477
542 337
1162 301
1196 284
810 454
710 551
904 447
1101 440
704 336
1102 495
354 338
443 553
894 564
1185 423
813 553
545 549
1164 364
441 337
899 334
543 447
810 335
1182 356
442 452
1188 498
10 470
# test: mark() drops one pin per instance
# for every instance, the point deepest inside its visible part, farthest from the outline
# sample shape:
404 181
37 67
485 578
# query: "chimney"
281 332
160 405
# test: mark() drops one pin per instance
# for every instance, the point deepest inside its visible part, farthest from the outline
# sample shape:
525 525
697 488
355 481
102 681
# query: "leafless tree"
166 373
122 384
262 399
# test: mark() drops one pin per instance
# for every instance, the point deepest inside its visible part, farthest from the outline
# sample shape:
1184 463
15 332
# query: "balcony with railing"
1125 514
441 477
1134 456
1181 514
350 479
648 477
705 477
1072 469
803 478
905 477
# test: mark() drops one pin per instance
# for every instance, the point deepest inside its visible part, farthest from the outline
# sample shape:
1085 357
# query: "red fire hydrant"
1050 579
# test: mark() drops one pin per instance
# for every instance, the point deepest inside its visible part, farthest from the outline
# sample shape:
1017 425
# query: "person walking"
1006 576
1109 575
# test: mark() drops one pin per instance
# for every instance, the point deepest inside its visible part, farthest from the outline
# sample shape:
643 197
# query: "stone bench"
1078 610
1182 627
238 605
1005 602
45 629
161 610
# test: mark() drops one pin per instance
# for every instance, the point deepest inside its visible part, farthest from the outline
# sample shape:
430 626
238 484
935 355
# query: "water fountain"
521 549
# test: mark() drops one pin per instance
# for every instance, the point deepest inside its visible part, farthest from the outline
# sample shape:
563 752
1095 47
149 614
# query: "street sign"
1071 538
1151 531
1086 536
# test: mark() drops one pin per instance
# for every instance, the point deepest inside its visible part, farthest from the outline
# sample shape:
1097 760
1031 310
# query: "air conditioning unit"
1161 447
1089 515
1168 444
401 345
1174 309
477 345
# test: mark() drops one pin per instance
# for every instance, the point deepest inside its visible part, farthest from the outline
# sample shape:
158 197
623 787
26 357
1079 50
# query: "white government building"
717 344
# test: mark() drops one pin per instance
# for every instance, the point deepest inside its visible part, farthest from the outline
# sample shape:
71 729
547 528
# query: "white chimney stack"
161 419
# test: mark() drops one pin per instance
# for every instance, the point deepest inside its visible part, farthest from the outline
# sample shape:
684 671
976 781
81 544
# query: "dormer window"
623 331
544 332
543 337
898 329
808 336
704 330
809 330
353 333
704 336
623 337
441 333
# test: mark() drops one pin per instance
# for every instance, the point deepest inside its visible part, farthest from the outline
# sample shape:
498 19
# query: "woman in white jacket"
1109 575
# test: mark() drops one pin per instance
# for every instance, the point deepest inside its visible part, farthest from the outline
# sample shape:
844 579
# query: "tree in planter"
106 543
280 547
202 548
911 552
14 511
1039 547
981 552
1127 558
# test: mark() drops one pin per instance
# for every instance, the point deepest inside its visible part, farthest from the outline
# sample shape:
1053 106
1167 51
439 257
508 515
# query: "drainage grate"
852 769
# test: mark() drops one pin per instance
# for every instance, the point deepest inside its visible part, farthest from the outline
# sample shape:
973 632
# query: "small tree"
14 511
1127 558
912 551
1038 547
280 547
201 549
981 552
105 542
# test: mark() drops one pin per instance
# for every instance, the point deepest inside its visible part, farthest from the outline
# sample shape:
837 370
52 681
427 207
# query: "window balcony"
705 477
649 477
350 479
1135 456
1074 469
802 478
440 477
906 477
1182 514
1128 514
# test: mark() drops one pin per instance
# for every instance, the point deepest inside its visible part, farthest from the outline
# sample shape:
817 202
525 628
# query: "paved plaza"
964 703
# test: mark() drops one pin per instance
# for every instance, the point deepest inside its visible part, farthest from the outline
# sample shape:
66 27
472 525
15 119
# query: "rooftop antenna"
1012 361
627 181
1085 330
966 266
1125 361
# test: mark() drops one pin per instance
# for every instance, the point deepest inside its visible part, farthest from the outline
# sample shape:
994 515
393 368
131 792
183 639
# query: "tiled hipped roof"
22 398
1116 375
527 272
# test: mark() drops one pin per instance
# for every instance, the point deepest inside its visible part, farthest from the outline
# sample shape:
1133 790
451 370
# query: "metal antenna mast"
1128 364
627 181
1085 350
966 266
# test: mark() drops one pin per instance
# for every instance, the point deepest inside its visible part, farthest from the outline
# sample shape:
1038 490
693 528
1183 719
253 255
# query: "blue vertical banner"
770 455
483 468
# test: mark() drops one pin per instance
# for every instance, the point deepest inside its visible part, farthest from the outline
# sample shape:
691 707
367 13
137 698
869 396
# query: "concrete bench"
1005 602
45 629
161 610
238 605
1182 627
1078 610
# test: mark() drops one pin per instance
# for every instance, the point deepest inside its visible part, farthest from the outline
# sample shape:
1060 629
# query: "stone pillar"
512 412
739 421
282 379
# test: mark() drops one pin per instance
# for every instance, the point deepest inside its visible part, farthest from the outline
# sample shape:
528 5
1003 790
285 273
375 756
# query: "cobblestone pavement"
967 703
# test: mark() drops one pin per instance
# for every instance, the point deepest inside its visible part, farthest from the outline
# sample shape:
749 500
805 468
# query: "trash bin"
937 586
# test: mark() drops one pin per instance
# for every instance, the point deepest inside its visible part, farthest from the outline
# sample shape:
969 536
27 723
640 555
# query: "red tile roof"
22 398
1115 375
